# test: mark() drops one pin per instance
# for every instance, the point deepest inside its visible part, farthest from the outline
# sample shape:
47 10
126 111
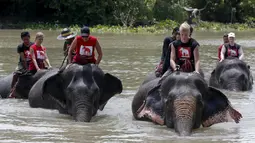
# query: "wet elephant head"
189 102
80 91
232 74
184 102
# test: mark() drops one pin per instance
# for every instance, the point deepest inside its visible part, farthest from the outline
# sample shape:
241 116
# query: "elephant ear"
218 109
112 85
50 86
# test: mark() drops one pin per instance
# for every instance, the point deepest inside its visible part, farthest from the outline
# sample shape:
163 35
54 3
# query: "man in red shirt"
225 40
84 47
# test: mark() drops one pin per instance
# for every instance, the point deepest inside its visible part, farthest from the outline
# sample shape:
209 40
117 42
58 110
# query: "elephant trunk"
83 111
83 115
184 110
234 86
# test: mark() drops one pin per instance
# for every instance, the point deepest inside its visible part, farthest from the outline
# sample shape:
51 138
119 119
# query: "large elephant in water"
80 90
184 102
5 86
232 74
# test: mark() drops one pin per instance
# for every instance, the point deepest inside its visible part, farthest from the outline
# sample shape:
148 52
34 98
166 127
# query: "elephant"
26 81
5 85
183 102
232 74
78 90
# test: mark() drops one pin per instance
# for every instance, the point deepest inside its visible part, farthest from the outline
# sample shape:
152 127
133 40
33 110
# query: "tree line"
123 12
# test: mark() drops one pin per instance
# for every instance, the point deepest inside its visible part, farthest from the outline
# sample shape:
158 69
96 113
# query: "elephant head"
188 102
232 74
79 90
182 101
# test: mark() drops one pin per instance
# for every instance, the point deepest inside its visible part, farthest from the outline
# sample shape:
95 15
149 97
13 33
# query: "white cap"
231 34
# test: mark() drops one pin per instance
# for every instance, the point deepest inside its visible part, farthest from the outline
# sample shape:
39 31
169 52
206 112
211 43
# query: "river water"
131 58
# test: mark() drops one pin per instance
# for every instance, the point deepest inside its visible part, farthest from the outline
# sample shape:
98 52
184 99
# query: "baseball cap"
231 34
85 31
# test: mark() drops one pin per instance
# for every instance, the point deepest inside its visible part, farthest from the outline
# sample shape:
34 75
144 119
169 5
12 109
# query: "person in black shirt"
185 52
165 50
24 59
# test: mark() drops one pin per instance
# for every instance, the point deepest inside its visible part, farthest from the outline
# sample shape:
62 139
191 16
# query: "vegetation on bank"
126 16
158 28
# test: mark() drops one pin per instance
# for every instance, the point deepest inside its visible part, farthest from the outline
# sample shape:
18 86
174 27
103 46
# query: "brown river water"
131 58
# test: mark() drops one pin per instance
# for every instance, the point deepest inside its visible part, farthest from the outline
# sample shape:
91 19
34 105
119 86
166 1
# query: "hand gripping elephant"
184 102
80 90
232 74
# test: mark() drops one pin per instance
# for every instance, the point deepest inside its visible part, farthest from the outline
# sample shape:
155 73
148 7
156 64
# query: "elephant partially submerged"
184 102
232 74
79 90
5 85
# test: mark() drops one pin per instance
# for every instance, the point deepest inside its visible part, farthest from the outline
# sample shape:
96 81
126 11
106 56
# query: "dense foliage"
123 12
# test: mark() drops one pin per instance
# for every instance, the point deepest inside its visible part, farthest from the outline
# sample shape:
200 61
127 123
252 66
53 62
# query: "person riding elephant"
80 90
231 49
68 36
24 59
225 41
165 50
185 102
184 52
232 74
38 55
84 47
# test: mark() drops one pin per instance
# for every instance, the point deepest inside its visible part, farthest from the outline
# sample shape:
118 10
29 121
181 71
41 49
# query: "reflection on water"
131 58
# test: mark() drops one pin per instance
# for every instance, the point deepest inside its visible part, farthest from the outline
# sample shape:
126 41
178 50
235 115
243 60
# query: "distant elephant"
184 102
80 90
232 74
5 86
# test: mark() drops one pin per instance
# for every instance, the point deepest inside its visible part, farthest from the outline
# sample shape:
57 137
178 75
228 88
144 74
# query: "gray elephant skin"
232 74
5 85
79 90
183 102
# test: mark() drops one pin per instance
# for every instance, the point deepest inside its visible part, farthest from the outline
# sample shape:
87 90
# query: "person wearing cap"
24 59
225 40
231 49
85 46
165 49
68 36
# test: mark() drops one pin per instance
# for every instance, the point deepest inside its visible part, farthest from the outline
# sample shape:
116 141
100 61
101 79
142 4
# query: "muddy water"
130 57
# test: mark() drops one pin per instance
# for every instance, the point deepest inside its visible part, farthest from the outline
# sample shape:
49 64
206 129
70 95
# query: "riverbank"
158 28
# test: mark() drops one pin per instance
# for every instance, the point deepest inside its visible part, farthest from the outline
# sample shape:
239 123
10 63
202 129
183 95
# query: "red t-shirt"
39 52
85 50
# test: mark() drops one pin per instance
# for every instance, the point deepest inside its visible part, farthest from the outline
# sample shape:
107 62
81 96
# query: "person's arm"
197 60
33 59
172 58
241 54
47 60
71 49
222 53
100 53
